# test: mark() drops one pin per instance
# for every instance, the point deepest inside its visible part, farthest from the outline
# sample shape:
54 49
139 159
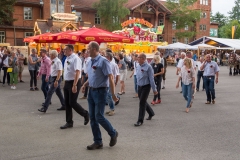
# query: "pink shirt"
45 67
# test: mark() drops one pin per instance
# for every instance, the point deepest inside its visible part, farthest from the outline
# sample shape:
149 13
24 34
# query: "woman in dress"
187 74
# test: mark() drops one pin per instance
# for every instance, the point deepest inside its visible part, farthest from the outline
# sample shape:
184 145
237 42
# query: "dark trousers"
33 75
158 82
5 74
51 90
86 89
143 92
209 87
71 101
199 76
44 86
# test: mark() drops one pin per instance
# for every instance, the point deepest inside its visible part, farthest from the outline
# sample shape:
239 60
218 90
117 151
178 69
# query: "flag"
233 31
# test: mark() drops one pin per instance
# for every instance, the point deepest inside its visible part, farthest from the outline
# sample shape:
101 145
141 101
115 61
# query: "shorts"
21 68
123 75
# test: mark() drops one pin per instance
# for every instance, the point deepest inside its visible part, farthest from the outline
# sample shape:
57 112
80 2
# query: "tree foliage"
183 16
234 14
111 13
226 30
219 18
6 11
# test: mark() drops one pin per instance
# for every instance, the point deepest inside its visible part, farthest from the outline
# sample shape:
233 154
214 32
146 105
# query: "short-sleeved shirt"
115 69
98 70
20 62
56 66
187 75
71 65
85 64
123 64
135 65
210 69
157 68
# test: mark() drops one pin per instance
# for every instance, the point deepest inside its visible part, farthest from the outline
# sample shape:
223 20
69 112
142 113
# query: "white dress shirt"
199 64
56 66
85 64
5 62
71 65
135 65
115 70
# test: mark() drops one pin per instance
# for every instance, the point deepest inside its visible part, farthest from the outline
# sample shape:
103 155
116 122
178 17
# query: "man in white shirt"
87 58
134 73
72 75
200 73
56 79
116 74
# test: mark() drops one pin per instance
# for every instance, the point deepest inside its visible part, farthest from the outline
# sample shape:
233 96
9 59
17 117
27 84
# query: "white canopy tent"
178 45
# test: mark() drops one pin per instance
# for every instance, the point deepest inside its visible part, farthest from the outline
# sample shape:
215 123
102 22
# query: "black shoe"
95 146
138 124
149 118
0 81
197 89
42 110
36 89
67 125
180 91
113 140
21 81
61 108
86 119
116 103
31 89
163 87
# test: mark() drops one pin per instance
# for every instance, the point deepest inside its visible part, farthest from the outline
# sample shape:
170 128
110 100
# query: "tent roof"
218 42
178 45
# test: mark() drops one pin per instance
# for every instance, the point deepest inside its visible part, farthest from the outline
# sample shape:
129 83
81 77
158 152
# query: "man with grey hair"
56 79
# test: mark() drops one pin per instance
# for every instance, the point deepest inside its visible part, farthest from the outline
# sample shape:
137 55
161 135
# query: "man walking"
145 81
56 79
45 71
210 70
200 73
99 79
72 75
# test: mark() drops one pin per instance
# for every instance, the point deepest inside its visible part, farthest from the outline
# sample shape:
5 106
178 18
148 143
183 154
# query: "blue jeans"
50 92
187 93
96 105
199 76
110 100
44 86
209 87
135 84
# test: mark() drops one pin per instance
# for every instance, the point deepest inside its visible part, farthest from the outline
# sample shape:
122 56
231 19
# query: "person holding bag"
13 70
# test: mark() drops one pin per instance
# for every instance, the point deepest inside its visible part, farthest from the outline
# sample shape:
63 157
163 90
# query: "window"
161 22
79 15
2 37
203 27
204 2
186 28
97 19
160 39
186 40
27 13
28 34
60 6
174 40
174 25
203 15
57 6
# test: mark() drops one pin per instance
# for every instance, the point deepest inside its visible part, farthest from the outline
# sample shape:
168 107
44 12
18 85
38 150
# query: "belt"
95 89
209 76
54 76
72 80
144 86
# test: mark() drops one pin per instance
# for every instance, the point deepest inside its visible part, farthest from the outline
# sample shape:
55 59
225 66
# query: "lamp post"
41 4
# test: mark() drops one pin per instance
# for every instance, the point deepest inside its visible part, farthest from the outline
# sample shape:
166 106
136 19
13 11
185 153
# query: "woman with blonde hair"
158 72
187 74
13 70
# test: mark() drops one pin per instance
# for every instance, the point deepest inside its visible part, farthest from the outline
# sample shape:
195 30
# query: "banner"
159 29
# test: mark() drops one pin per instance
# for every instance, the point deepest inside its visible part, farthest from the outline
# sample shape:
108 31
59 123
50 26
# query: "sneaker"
36 89
113 140
14 87
83 97
159 101
153 102
111 113
31 89
11 87
21 81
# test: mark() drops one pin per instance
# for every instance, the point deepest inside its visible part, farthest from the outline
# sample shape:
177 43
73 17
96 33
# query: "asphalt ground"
207 132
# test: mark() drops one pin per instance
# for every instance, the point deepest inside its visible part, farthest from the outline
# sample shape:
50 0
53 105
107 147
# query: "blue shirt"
145 75
210 69
98 70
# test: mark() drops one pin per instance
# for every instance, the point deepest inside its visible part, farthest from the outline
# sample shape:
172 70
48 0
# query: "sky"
222 6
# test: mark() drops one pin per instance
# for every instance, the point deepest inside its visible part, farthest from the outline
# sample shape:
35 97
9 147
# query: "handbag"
10 69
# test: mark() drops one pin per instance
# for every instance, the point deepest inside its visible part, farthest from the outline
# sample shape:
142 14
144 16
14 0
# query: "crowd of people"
97 73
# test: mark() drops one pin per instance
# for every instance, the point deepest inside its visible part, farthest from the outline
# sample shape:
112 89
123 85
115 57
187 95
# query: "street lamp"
41 4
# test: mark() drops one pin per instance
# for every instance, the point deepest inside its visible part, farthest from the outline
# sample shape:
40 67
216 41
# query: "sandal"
120 93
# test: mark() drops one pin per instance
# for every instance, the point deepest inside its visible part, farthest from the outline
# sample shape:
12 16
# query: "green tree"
6 11
226 31
183 17
234 14
111 13
219 18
